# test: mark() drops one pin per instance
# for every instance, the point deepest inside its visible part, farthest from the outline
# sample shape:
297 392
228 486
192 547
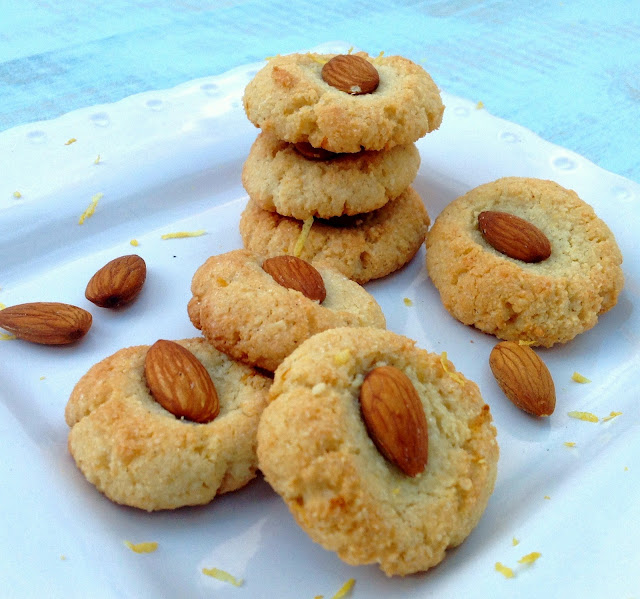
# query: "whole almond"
351 74
48 323
395 419
295 273
312 153
514 236
523 377
180 383
118 282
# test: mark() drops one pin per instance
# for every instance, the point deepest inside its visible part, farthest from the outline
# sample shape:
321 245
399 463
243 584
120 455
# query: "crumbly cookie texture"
280 179
138 454
289 98
541 303
314 450
243 312
362 247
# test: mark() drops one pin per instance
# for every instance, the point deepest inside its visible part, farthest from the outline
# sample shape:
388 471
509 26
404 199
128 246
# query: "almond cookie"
292 99
139 454
316 451
541 302
243 311
361 247
299 182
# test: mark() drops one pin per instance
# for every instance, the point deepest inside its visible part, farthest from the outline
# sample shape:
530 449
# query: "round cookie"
361 247
289 98
541 303
139 454
245 313
280 179
314 450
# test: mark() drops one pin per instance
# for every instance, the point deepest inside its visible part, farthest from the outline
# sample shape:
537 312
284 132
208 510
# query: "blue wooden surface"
569 70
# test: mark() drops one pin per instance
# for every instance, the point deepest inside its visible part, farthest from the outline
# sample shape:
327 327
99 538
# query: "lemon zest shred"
7 337
317 59
302 238
480 105
504 570
345 589
144 547
223 576
611 416
546 497
17 194
586 416
89 212
457 377
530 557
182 234
379 57
97 160
578 378
515 541
134 242
70 141
569 444
342 357
2 306
525 342
407 302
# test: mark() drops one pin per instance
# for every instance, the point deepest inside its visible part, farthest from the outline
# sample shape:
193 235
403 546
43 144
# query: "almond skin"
351 74
48 323
180 383
118 282
296 273
523 377
514 236
395 419
312 153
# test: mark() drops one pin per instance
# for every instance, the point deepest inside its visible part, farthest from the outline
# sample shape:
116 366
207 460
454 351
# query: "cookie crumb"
89 212
345 589
578 378
586 416
145 547
181 234
223 576
504 570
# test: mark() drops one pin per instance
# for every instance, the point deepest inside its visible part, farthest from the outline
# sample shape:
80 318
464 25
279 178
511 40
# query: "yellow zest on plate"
181 234
88 213
223 576
2 306
546 497
134 243
586 416
504 570
569 444
530 557
611 416
515 541
97 160
7 337
457 377
407 302
578 378
480 105
145 547
345 589
70 141
17 195
302 238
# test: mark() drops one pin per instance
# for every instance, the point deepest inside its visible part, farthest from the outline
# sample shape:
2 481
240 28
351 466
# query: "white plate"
171 161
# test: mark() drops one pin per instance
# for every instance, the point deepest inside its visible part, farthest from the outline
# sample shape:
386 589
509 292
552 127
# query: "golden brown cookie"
281 179
362 247
544 302
139 454
245 313
315 451
290 99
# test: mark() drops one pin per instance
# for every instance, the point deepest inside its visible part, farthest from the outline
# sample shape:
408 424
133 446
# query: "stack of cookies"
329 177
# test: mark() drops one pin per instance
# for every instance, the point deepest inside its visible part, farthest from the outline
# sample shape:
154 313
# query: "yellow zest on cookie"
88 213
377 58
504 570
611 416
317 59
586 416
530 557
97 160
70 141
181 234
342 357
17 194
7 337
222 282
302 238
407 302
578 378
2 306
223 576
134 243
569 444
345 589
145 547
525 342
458 378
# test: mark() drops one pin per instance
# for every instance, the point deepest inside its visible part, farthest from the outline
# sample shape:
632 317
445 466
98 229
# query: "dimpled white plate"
171 161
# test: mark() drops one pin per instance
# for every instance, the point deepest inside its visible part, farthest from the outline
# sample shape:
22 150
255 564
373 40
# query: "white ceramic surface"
171 161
